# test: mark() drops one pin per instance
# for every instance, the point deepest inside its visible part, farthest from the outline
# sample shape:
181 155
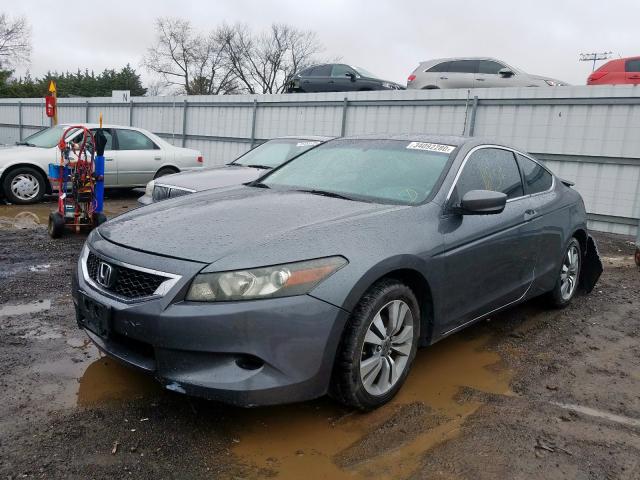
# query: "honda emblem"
105 275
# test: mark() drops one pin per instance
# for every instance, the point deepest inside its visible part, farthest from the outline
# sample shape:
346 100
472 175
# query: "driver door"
489 259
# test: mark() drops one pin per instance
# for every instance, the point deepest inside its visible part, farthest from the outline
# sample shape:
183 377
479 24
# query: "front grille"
161 192
128 282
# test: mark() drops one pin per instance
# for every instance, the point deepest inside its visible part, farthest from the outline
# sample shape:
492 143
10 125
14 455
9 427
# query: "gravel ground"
531 393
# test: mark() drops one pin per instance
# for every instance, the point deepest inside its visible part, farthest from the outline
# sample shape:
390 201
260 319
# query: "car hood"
212 177
17 151
207 226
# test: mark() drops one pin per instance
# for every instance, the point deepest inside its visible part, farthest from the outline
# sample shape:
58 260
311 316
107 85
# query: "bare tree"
191 60
265 63
15 40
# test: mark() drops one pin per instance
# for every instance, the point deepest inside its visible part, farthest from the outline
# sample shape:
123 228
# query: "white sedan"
133 157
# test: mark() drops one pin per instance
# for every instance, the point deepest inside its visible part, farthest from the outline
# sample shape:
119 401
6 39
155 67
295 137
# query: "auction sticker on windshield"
307 144
431 147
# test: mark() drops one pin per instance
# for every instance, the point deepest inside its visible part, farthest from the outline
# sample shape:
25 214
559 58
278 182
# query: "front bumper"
248 353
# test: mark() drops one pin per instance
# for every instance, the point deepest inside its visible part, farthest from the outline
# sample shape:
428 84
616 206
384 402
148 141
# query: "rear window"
536 178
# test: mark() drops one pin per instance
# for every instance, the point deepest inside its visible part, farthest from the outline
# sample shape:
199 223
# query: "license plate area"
95 316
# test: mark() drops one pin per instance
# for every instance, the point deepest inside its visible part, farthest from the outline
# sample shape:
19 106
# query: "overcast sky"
386 37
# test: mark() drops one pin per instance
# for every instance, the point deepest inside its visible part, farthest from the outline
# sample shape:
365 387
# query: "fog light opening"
249 362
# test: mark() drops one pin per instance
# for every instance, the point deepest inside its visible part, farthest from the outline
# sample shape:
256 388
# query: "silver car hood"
212 177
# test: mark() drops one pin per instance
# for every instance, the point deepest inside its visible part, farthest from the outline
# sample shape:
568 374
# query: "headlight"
551 83
390 86
267 282
149 189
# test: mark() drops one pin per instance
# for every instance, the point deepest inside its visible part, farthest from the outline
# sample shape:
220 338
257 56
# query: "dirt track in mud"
531 393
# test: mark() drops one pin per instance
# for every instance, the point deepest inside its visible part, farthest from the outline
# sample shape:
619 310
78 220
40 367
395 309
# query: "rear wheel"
378 346
24 185
56 225
567 282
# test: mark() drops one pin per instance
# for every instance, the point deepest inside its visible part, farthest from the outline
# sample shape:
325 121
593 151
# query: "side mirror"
482 202
351 75
506 72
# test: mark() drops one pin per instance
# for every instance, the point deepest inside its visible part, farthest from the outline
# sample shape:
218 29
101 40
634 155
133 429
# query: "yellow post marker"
100 119
54 94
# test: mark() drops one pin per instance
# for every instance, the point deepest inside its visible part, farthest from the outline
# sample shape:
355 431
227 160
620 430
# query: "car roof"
453 140
96 125
319 138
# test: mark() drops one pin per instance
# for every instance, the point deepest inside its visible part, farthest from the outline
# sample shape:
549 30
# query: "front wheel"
56 225
24 185
378 346
567 282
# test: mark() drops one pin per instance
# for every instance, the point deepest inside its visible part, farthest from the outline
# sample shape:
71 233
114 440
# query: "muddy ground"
531 393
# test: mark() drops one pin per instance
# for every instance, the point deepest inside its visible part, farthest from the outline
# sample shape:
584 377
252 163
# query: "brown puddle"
105 380
322 440
30 216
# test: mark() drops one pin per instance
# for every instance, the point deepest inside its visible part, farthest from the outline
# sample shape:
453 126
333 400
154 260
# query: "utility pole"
594 57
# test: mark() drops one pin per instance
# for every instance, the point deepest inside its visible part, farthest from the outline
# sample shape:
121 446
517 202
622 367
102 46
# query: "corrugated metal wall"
589 135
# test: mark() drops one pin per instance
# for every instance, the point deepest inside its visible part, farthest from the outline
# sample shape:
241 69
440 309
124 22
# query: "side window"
536 178
441 67
490 67
341 71
133 140
108 135
320 71
633 65
464 66
490 169
306 72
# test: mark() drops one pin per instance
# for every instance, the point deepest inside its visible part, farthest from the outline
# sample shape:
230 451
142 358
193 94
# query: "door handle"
157 158
480 79
108 159
529 213
305 81
444 78
635 77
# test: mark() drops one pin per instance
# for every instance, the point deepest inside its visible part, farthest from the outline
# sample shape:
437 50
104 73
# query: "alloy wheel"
569 272
386 348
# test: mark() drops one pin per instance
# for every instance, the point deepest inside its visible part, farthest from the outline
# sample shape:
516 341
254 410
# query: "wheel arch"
405 269
35 166
580 234
168 166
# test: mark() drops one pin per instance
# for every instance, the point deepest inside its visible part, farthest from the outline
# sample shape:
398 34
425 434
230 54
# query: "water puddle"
24 308
105 380
322 440
22 217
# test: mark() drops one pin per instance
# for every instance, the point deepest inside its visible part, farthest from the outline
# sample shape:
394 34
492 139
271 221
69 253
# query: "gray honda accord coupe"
326 274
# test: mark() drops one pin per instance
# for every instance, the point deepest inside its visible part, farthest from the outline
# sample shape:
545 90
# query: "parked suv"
621 71
337 77
473 73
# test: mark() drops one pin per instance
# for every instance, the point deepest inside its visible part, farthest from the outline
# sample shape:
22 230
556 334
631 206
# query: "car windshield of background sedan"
379 171
47 138
274 152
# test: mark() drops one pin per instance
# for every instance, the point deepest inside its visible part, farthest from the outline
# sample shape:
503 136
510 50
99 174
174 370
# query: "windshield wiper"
262 167
26 144
258 185
324 193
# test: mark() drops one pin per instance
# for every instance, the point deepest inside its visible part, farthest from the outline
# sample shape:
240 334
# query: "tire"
24 185
56 225
355 387
560 297
165 171
98 219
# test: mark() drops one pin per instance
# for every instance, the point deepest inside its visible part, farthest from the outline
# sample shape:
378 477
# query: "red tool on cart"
80 183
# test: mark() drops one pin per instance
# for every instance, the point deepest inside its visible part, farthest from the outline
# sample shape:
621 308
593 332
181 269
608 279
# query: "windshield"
365 73
274 153
47 138
382 171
